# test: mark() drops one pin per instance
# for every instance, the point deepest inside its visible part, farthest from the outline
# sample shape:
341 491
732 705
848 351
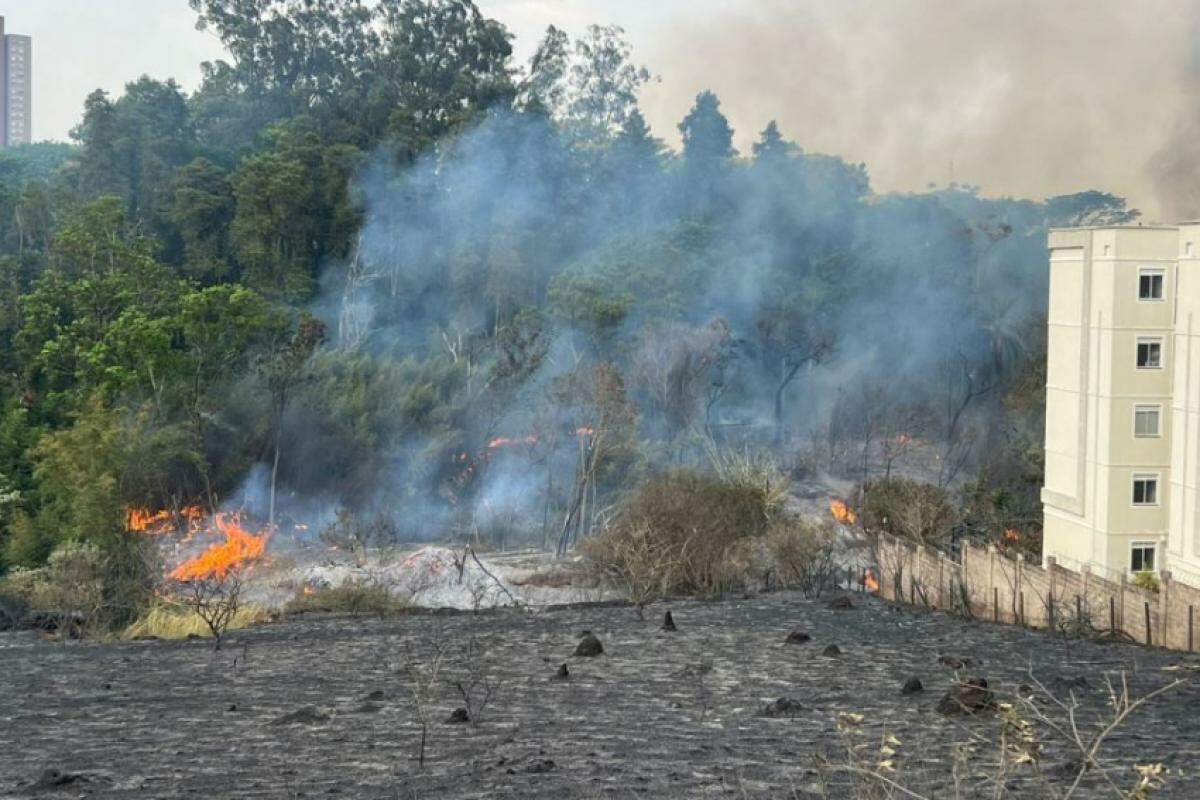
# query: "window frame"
1152 272
1144 477
1143 546
1148 340
1143 408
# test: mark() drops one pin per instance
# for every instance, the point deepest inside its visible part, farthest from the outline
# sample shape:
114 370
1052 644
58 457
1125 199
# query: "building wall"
3 87
18 64
1093 384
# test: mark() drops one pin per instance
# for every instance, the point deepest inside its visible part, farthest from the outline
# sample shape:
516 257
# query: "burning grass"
172 620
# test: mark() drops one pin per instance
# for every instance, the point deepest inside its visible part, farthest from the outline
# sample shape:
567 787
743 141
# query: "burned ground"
325 707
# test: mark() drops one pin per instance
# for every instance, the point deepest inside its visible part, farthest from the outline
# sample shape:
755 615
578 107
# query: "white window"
1149 353
1146 421
1141 557
1150 284
1145 490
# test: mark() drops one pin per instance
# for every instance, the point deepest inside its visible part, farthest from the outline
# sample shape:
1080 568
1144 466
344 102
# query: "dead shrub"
804 553
676 533
920 512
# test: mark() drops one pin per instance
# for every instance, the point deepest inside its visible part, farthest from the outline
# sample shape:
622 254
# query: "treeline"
373 266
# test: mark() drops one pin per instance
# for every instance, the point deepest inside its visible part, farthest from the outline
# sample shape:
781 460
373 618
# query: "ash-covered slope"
328 707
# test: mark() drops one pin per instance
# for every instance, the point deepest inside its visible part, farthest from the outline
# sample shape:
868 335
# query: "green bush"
680 533
353 597
1146 579
804 553
920 512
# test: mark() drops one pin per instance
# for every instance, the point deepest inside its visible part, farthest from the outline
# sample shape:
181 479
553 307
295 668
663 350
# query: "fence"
984 584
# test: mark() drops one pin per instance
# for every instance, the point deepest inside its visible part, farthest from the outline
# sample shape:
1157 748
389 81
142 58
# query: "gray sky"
1024 97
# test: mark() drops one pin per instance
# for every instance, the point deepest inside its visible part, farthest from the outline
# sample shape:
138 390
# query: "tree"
284 366
772 148
590 88
203 208
707 137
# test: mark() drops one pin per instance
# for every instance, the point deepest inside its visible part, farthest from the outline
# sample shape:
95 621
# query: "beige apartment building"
1123 399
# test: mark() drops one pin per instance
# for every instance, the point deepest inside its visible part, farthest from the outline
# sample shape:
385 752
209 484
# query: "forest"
374 272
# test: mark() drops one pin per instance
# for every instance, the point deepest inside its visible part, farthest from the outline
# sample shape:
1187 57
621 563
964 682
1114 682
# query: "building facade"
16 89
1123 399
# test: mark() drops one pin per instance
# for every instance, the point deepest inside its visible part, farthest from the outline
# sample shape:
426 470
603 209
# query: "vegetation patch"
169 620
352 597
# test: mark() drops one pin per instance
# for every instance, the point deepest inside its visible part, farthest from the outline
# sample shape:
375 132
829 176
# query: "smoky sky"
1021 97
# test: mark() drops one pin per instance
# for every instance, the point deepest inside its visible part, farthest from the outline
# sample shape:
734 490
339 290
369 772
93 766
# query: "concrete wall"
1096 319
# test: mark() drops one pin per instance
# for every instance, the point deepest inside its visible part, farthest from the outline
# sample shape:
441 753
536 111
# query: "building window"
1145 490
1141 557
1146 420
1149 353
1150 284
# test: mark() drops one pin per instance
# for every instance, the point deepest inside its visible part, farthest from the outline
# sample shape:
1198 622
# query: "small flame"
1012 535
842 512
503 441
903 439
143 520
218 561
870 582
585 431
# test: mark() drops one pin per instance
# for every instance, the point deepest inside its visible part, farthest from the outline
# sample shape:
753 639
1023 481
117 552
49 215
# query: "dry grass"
169 620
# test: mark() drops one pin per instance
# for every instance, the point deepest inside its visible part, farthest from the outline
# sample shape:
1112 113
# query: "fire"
143 520
870 582
503 441
218 561
1012 535
903 439
585 431
842 512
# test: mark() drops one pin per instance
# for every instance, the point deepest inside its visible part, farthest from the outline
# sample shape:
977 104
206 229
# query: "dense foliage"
374 265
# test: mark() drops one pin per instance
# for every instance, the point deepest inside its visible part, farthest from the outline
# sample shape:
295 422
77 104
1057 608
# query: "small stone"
669 623
373 696
783 707
833 651
969 697
842 603
232 707
954 662
308 715
912 686
458 716
540 765
589 646
797 637
563 674
53 778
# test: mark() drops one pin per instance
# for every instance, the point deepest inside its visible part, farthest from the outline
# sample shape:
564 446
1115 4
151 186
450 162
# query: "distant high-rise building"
16 67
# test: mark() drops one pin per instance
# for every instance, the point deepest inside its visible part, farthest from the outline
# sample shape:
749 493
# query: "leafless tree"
215 599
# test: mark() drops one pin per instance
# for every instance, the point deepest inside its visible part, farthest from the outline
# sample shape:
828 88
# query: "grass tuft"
172 621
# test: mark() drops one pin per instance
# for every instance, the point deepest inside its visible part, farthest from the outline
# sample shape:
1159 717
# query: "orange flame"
870 582
503 441
1012 535
218 561
585 431
842 512
143 520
